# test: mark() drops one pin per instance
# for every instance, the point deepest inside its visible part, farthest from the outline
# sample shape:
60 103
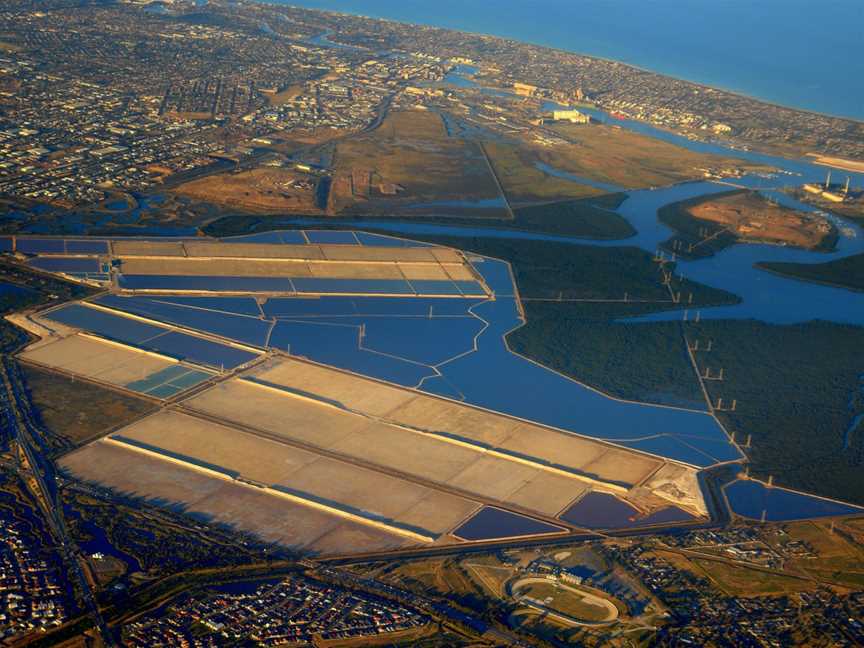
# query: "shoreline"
632 66
761 265
853 166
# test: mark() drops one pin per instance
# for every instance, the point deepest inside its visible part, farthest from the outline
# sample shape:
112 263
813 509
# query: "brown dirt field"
374 398
270 462
622 466
548 493
413 124
354 538
93 358
447 255
407 452
532 488
856 166
410 149
524 183
680 485
268 515
253 457
215 267
310 252
460 273
561 448
427 413
491 577
246 403
423 571
448 510
417 271
383 445
364 253
77 410
741 581
271 518
155 248
750 216
379 494
130 472
434 415
495 479
183 115
232 267
252 250
618 156
334 269
357 487
524 439
266 189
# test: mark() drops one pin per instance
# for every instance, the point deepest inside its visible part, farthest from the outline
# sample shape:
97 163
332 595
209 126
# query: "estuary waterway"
765 296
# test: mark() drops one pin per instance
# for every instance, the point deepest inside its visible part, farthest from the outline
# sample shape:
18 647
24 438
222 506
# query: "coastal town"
211 89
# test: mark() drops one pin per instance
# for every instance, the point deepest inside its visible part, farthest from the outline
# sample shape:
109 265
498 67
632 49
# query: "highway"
42 471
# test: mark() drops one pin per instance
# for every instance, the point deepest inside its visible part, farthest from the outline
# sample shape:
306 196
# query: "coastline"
595 57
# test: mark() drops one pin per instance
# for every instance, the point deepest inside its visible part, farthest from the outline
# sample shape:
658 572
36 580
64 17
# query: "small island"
704 226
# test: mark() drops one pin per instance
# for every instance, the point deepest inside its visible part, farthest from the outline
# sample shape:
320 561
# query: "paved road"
27 436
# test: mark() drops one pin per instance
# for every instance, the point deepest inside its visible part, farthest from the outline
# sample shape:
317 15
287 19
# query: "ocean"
796 53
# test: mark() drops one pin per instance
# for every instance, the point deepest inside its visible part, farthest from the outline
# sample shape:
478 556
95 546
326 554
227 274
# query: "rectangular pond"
105 324
491 523
40 246
169 381
68 265
150 337
339 346
243 328
604 511
206 283
198 350
75 246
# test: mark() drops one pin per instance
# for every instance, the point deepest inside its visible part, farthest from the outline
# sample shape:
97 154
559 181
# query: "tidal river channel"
687 436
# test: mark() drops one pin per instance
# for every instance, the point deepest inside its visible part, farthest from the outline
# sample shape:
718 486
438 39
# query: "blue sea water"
792 52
